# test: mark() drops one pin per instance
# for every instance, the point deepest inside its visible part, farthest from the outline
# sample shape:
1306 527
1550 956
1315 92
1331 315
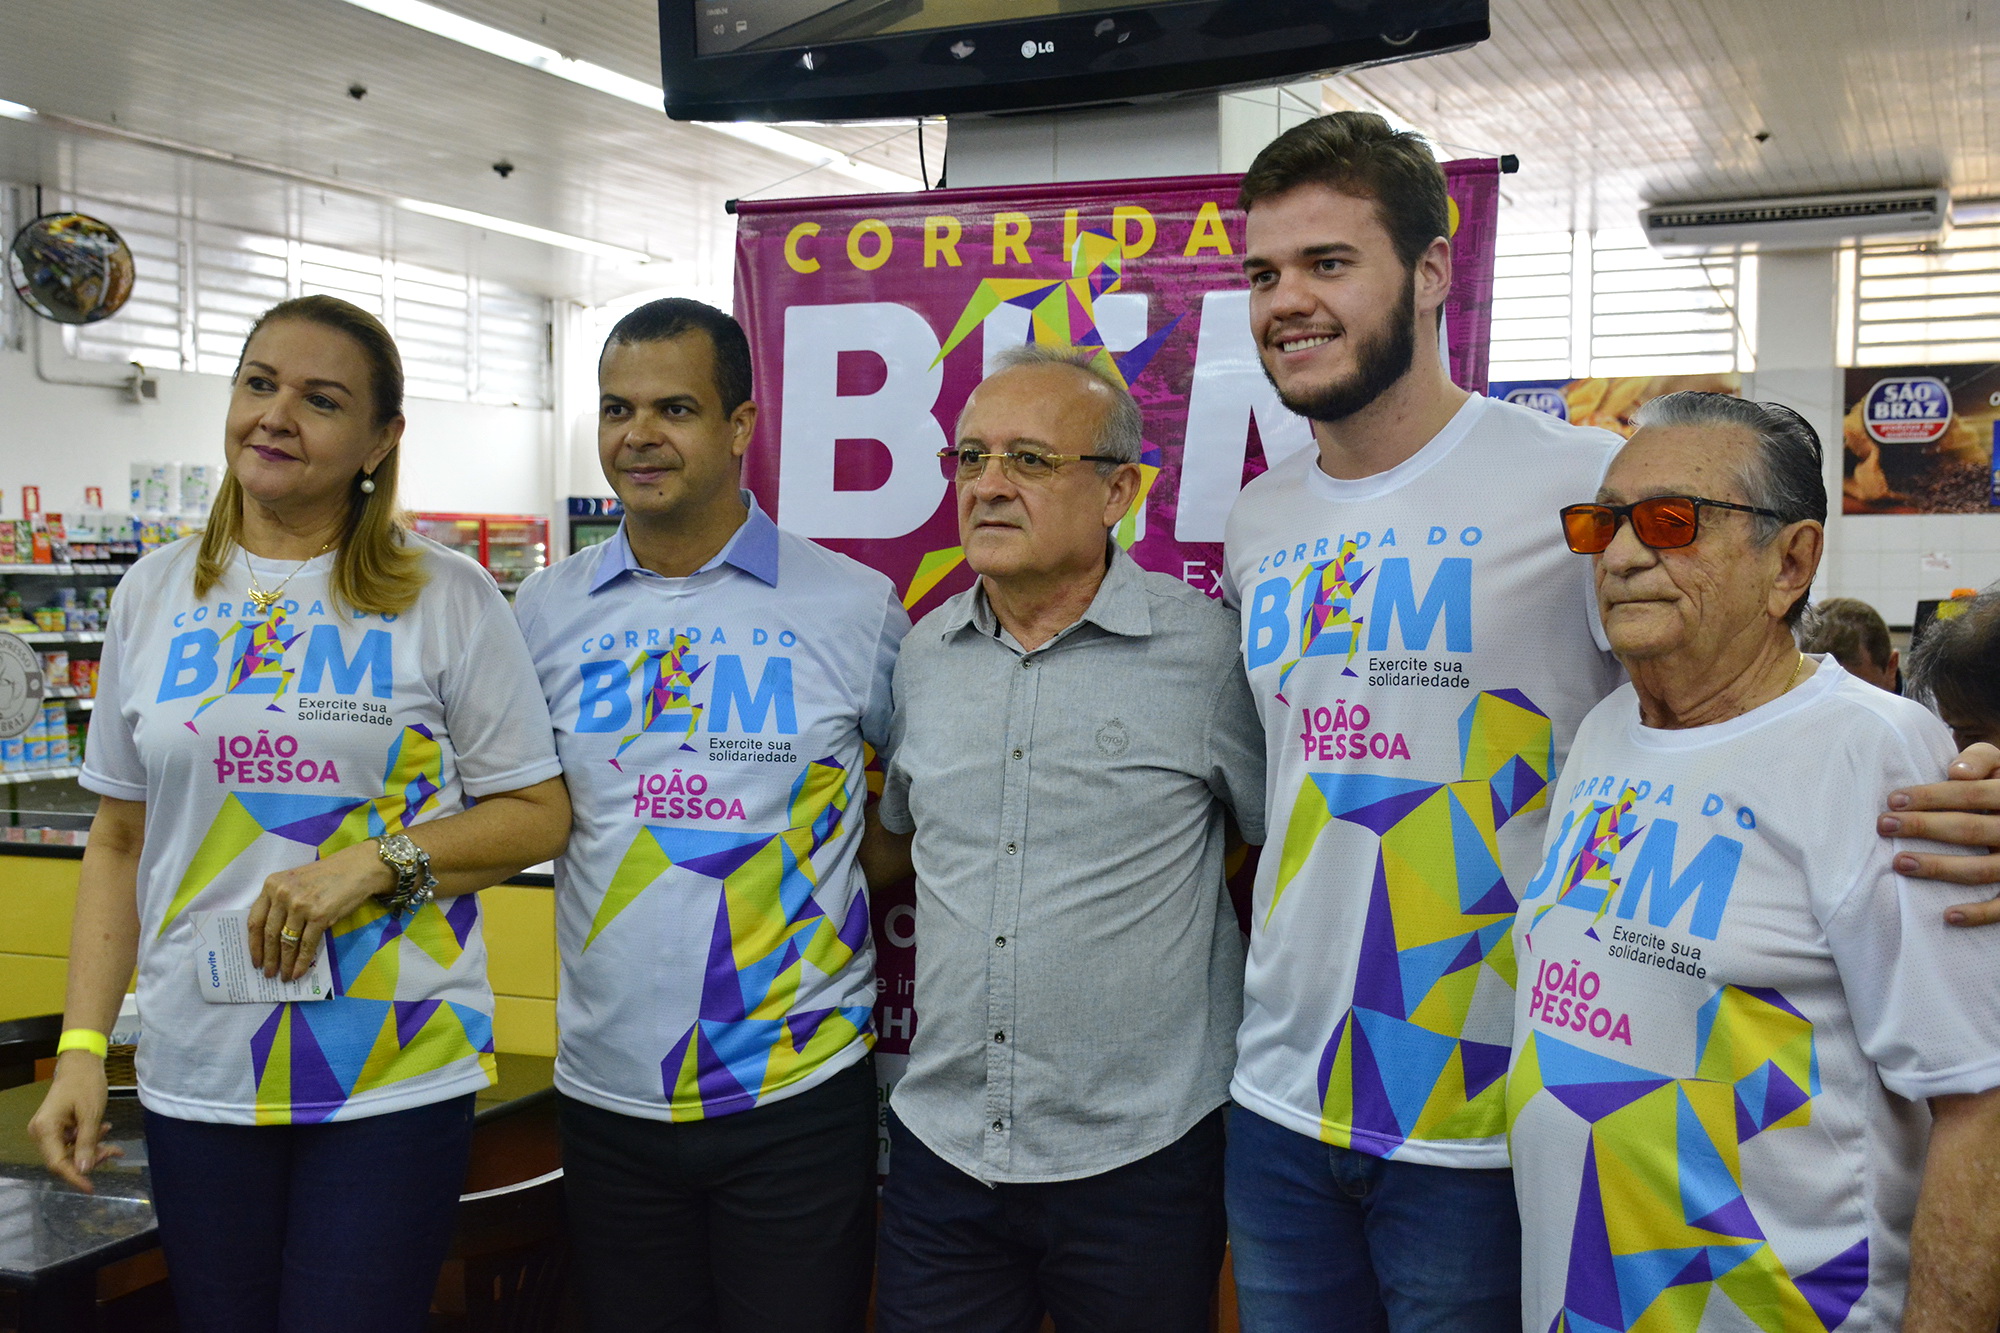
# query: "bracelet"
83 1039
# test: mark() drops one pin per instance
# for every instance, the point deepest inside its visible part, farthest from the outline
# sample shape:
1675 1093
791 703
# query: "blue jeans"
1329 1240
1132 1250
324 1228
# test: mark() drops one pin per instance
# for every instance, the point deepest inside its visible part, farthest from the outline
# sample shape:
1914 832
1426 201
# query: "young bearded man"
714 679
1422 649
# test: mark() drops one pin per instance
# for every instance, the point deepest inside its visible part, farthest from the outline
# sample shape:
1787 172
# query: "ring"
289 936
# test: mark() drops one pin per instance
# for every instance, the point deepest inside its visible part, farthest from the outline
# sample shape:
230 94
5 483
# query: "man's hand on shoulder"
1964 810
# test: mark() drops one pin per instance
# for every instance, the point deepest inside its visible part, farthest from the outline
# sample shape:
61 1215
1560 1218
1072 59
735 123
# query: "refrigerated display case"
510 546
592 519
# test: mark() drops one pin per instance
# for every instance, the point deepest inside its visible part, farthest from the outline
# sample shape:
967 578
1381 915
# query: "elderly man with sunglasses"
1755 1075
1070 739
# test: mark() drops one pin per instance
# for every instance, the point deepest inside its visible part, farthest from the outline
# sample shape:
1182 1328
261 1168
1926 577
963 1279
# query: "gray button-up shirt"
1079 966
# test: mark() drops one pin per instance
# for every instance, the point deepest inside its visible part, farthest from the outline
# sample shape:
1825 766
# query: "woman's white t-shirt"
260 743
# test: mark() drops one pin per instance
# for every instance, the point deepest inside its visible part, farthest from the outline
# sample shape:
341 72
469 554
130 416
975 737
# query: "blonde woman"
297 711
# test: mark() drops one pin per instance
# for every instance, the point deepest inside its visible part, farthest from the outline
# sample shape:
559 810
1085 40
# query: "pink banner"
871 318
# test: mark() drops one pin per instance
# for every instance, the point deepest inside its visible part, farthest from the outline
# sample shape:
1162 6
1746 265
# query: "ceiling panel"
1612 104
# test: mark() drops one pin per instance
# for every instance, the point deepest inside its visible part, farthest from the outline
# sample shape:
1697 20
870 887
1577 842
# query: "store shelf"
71 701
39 775
64 692
63 636
70 570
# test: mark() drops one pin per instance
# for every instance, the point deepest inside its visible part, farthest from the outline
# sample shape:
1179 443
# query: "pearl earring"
368 485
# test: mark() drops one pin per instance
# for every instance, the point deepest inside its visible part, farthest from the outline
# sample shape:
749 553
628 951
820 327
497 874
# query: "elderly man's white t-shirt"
1730 1009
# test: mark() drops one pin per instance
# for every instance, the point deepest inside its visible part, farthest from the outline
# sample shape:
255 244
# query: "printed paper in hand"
224 974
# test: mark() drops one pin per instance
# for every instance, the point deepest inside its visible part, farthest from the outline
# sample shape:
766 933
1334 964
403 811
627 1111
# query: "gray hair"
1953 665
1121 435
1783 475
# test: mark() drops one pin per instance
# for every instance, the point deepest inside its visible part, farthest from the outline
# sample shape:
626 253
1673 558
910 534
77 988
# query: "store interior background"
231 154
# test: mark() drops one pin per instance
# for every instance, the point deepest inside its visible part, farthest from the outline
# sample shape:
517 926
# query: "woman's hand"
297 906
71 1121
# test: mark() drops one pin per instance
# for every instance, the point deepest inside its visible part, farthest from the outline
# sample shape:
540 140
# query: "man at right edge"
1421 649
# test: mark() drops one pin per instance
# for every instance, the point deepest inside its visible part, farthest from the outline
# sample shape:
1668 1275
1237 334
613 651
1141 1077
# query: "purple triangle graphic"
1698 1269
1496 901
1594 1101
1781 1098
723 864
1372 1108
1747 1127
1774 999
1378 980
805 1024
411 1017
260 1041
1732 1219
1381 816
1133 364
1592 1289
1471 955
722 990
1834 1287
854 931
462 916
1484 1065
316 1093
721 1093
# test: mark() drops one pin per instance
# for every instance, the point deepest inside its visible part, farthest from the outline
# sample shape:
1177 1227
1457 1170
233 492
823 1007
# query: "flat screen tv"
867 59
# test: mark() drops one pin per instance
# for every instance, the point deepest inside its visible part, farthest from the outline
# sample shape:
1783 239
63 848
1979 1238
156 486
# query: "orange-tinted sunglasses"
1663 522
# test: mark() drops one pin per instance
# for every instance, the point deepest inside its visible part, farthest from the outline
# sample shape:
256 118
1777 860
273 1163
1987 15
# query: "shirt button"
1027 662
1000 1037
1011 849
1017 754
1000 942
999 1126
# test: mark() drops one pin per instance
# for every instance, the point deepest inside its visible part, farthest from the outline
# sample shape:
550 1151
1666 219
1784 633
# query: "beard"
1380 360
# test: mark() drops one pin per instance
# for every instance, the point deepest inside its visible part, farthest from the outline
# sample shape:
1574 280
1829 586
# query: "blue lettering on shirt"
1449 595
732 689
190 665
323 654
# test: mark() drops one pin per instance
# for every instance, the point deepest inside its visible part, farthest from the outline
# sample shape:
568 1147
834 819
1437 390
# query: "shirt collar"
753 548
1120 606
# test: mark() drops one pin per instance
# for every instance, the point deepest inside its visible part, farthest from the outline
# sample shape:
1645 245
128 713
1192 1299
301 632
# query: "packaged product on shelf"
197 489
31 501
57 531
100 598
77 731
55 670
50 619
153 486
39 548
83 677
23 534
13 756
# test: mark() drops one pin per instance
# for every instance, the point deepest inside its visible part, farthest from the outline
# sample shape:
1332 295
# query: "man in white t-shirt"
1422 647
713 682
1733 1009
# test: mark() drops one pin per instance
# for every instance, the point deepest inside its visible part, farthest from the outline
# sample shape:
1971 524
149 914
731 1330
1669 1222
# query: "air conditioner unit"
1800 222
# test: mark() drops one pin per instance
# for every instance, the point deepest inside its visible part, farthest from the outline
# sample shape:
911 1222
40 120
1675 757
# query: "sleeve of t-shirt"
894 808
1236 750
880 705
1924 996
493 704
112 766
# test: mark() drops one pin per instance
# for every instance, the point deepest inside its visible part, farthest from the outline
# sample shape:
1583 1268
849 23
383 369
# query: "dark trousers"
1133 1250
757 1222
321 1228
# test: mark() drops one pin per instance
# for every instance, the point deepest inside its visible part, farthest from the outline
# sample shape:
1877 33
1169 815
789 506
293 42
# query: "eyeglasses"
1020 464
1663 522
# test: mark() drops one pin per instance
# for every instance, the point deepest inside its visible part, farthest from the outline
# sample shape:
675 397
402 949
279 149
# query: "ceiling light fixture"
493 41
561 240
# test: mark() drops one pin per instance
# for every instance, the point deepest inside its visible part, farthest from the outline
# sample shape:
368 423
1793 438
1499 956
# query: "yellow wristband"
83 1039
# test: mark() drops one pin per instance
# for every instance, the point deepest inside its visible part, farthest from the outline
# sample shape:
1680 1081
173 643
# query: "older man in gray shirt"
1071 736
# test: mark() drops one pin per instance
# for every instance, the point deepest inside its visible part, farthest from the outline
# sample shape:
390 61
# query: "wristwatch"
415 885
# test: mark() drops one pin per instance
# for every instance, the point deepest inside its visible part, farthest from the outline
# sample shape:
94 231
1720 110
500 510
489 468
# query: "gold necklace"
263 600
1797 667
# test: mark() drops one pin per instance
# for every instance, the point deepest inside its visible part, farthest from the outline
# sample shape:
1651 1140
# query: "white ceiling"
1609 103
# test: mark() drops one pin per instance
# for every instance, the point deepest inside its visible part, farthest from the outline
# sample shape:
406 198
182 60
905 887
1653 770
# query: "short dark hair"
1784 475
1359 153
1850 629
676 317
1956 663
378 349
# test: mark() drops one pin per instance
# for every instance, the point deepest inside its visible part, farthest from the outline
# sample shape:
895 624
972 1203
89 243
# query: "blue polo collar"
753 549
